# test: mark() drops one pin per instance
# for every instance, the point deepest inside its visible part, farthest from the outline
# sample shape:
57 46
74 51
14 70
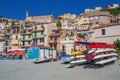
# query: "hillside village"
94 25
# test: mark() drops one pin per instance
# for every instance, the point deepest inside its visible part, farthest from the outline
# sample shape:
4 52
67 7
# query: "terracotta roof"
106 25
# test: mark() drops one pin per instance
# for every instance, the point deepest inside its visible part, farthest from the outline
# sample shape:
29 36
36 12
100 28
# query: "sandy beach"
27 70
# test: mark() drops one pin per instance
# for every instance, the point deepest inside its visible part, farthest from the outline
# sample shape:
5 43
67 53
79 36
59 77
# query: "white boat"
105 50
78 56
74 63
91 51
105 55
69 59
78 61
66 60
101 62
70 65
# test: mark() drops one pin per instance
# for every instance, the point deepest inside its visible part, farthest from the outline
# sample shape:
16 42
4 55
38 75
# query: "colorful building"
40 52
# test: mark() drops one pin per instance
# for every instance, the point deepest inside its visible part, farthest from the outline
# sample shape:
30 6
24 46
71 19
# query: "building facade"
54 40
2 42
107 34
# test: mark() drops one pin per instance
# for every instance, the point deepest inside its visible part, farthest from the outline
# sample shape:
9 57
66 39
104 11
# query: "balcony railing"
36 30
53 42
15 42
38 36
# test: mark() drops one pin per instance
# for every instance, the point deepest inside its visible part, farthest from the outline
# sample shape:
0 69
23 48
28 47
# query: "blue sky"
16 9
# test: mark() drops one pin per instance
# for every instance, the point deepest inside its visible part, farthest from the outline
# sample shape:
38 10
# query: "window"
35 34
72 33
55 46
16 37
63 48
51 38
55 38
35 27
29 36
50 46
23 43
23 37
42 32
28 42
103 31
41 40
91 21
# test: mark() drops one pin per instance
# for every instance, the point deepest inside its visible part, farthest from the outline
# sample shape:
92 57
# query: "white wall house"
67 44
107 34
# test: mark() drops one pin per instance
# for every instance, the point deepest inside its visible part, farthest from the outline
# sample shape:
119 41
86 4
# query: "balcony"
26 45
15 42
37 30
15 47
7 26
39 36
53 42
26 33
42 43
26 39
27 25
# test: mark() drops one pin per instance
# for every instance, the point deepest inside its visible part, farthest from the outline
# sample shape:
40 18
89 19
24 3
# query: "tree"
82 35
117 46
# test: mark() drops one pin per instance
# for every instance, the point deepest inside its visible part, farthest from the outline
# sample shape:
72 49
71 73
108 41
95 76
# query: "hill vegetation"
114 11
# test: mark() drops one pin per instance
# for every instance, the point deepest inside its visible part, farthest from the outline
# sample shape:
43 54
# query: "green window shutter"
35 34
28 42
72 33
23 43
29 36
42 32
23 37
